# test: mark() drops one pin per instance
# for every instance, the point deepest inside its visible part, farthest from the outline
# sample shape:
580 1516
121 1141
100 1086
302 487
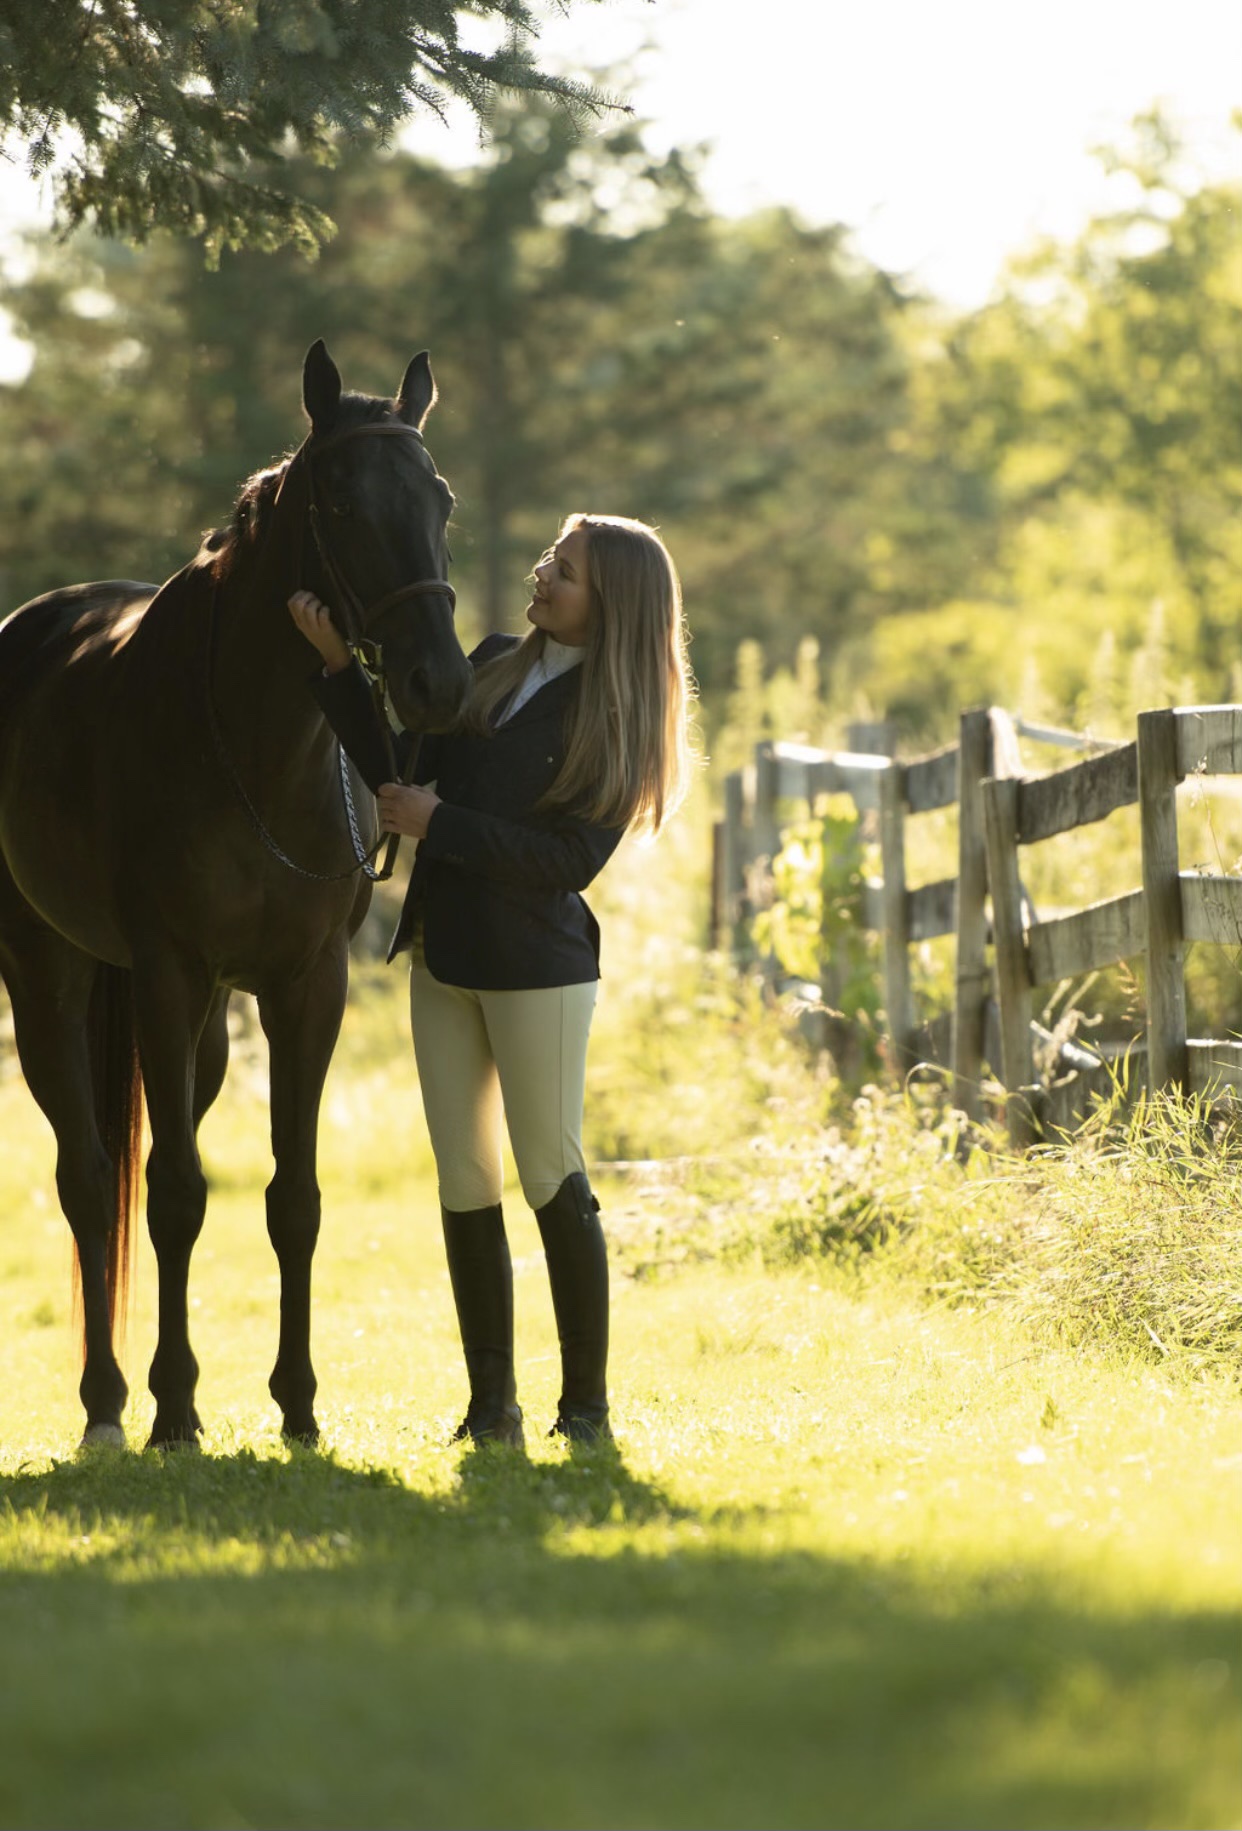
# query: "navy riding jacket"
497 884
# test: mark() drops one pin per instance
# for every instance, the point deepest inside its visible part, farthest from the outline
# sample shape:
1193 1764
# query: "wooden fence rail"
890 792
1001 812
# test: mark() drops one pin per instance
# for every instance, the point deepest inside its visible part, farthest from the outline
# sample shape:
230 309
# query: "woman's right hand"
314 619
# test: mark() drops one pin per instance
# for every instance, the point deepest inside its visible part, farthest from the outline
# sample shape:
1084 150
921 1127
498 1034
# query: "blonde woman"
575 732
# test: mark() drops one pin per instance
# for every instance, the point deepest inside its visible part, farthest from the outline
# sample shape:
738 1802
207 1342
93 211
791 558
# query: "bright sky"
946 133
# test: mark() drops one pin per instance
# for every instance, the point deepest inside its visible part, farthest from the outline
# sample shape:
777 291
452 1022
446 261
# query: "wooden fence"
1003 952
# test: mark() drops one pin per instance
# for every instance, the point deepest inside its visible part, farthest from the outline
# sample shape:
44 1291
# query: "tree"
184 114
600 341
189 377
1098 402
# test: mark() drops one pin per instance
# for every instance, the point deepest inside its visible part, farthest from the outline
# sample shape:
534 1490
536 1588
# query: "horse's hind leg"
50 986
302 1021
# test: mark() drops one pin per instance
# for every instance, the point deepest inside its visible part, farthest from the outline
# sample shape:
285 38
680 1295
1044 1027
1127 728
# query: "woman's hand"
406 810
314 619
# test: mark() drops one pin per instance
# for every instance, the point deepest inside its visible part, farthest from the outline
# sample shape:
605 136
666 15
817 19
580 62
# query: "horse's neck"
261 667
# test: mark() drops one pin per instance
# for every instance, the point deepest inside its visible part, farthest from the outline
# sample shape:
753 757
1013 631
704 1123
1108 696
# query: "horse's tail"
117 1077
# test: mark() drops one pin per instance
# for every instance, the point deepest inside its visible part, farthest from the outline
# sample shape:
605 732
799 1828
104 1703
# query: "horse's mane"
221 548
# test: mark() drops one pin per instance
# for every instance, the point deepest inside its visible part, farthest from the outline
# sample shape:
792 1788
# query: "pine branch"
181 114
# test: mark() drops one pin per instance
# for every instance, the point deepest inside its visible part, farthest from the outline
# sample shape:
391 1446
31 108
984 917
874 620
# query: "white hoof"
103 1437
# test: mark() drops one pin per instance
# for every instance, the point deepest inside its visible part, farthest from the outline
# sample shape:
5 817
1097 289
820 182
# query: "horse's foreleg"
302 1020
174 1004
49 987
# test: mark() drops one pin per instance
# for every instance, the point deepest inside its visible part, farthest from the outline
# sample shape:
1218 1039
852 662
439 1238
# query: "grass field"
859 1560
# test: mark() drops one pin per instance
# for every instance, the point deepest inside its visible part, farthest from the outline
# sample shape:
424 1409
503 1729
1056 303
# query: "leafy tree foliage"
1091 418
184 114
600 341
1033 503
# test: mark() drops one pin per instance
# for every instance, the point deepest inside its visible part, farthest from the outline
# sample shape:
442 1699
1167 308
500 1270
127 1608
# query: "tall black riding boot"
482 1277
577 1255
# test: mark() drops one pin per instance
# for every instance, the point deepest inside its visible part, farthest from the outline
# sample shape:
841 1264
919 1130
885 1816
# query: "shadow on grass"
266 1497
288 1641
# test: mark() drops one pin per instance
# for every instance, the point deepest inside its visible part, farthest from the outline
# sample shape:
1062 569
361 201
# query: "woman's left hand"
406 810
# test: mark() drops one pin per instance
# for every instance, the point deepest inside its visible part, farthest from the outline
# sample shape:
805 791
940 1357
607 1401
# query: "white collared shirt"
557 658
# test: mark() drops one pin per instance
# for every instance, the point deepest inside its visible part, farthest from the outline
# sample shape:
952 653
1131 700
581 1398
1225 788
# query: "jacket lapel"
550 700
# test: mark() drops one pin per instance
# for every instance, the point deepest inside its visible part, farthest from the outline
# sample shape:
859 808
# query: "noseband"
358 617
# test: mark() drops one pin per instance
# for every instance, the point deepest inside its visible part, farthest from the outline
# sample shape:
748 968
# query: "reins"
357 617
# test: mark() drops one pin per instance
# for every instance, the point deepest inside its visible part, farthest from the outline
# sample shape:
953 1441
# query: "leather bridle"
358 618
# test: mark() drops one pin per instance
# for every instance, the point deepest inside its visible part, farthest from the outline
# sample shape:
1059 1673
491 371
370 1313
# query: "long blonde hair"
627 754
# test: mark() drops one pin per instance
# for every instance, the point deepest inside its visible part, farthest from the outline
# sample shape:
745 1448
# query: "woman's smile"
561 600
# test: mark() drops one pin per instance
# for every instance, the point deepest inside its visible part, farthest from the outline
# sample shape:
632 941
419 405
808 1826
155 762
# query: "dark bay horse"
176 823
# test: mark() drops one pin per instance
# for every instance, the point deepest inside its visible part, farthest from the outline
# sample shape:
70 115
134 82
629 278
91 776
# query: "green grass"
861 1559
857 1563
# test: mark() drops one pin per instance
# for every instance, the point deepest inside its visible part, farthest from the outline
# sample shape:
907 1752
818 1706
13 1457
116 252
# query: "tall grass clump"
1122 1236
875 1178
1133 1236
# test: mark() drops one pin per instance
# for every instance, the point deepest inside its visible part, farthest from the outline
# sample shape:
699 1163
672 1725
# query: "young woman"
575 732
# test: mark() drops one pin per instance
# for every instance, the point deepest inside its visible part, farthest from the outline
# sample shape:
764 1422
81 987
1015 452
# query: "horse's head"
380 512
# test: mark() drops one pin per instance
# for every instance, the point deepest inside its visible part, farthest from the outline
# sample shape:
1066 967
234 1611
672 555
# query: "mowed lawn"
856 1562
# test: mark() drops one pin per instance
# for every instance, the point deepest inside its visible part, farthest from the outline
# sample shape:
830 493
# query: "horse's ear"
321 386
417 395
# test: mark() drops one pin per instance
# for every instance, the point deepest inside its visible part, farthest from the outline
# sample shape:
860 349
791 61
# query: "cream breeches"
492 1059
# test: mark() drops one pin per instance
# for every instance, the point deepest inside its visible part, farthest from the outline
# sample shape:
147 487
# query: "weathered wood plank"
718 935
1209 740
848 772
794 766
733 862
1013 984
1100 935
1213 1065
1073 1097
931 909
1166 985
1077 796
931 781
972 980
1211 908
800 773
766 833
1066 740
895 930
931 1039
873 906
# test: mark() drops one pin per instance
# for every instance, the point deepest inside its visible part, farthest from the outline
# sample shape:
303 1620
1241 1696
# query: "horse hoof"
102 1437
181 1444
305 1439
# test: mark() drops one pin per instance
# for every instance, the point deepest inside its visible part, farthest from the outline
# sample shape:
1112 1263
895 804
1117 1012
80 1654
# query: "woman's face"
561 603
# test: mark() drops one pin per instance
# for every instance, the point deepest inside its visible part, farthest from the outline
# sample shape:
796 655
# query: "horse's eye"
342 508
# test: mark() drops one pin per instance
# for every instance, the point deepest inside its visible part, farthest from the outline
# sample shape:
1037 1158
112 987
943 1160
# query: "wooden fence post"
896 926
1013 976
733 864
971 973
765 842
873 737
1167 1058
767 833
